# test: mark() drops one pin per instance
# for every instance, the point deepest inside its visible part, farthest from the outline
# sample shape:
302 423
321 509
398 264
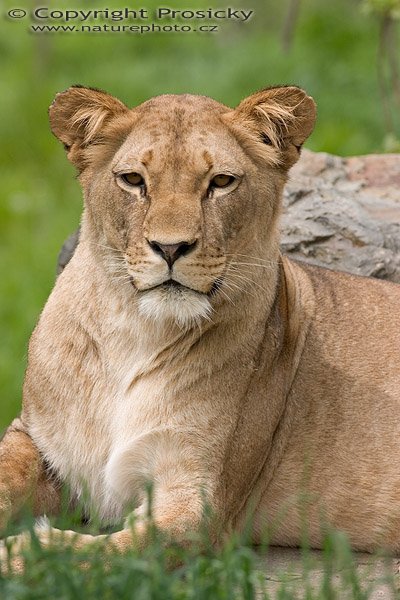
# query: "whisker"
121 278
207 318
117 265
250 257
230 285
237 273
251 265
106 247
241 288
117 257
118 273
248 280
224 293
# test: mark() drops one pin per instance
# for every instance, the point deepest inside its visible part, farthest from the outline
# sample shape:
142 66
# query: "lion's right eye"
133 179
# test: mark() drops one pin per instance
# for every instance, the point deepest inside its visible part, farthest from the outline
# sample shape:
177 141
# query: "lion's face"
182 192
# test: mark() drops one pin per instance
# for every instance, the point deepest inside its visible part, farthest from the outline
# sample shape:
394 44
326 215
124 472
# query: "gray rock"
344 213
67 251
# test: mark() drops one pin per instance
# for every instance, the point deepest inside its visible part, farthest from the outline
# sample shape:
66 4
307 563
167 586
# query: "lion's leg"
176 521
23 477
177 511
182 487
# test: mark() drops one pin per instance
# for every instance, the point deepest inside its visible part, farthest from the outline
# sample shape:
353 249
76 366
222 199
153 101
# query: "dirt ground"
286 566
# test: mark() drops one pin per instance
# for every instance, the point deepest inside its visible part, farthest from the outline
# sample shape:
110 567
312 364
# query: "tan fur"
275 392
24 477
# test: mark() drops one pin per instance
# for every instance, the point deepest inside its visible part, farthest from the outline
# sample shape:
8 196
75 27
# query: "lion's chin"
178 304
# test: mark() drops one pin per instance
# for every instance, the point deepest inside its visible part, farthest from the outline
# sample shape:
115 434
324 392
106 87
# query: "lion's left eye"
133 179
221 181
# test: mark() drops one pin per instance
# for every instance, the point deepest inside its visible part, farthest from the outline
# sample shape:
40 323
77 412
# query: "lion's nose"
171 252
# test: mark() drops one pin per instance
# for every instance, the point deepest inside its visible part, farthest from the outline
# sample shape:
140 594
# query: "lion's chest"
86 448
106 435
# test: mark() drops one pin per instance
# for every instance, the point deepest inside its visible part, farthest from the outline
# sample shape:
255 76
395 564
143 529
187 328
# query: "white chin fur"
184 306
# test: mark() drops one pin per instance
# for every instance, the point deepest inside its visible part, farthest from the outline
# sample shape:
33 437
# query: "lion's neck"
108 308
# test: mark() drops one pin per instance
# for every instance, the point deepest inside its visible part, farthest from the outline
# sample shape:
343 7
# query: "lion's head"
182 193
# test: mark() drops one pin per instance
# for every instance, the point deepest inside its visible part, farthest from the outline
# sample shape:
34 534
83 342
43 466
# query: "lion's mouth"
172 284
174 287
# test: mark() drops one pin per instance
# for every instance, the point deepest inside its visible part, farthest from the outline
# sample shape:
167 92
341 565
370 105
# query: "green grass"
196 570
234 572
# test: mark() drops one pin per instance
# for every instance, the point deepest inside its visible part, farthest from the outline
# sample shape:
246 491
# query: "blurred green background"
336 50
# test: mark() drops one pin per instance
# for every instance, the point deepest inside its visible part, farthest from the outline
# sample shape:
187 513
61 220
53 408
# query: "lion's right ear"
77 117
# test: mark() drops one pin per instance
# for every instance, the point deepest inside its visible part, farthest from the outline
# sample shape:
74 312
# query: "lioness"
179 346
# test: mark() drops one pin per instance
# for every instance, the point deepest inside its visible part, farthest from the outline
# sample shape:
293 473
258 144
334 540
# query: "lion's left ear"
281 117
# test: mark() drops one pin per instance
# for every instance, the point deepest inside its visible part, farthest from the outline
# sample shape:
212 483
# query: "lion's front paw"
13 547
11 553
